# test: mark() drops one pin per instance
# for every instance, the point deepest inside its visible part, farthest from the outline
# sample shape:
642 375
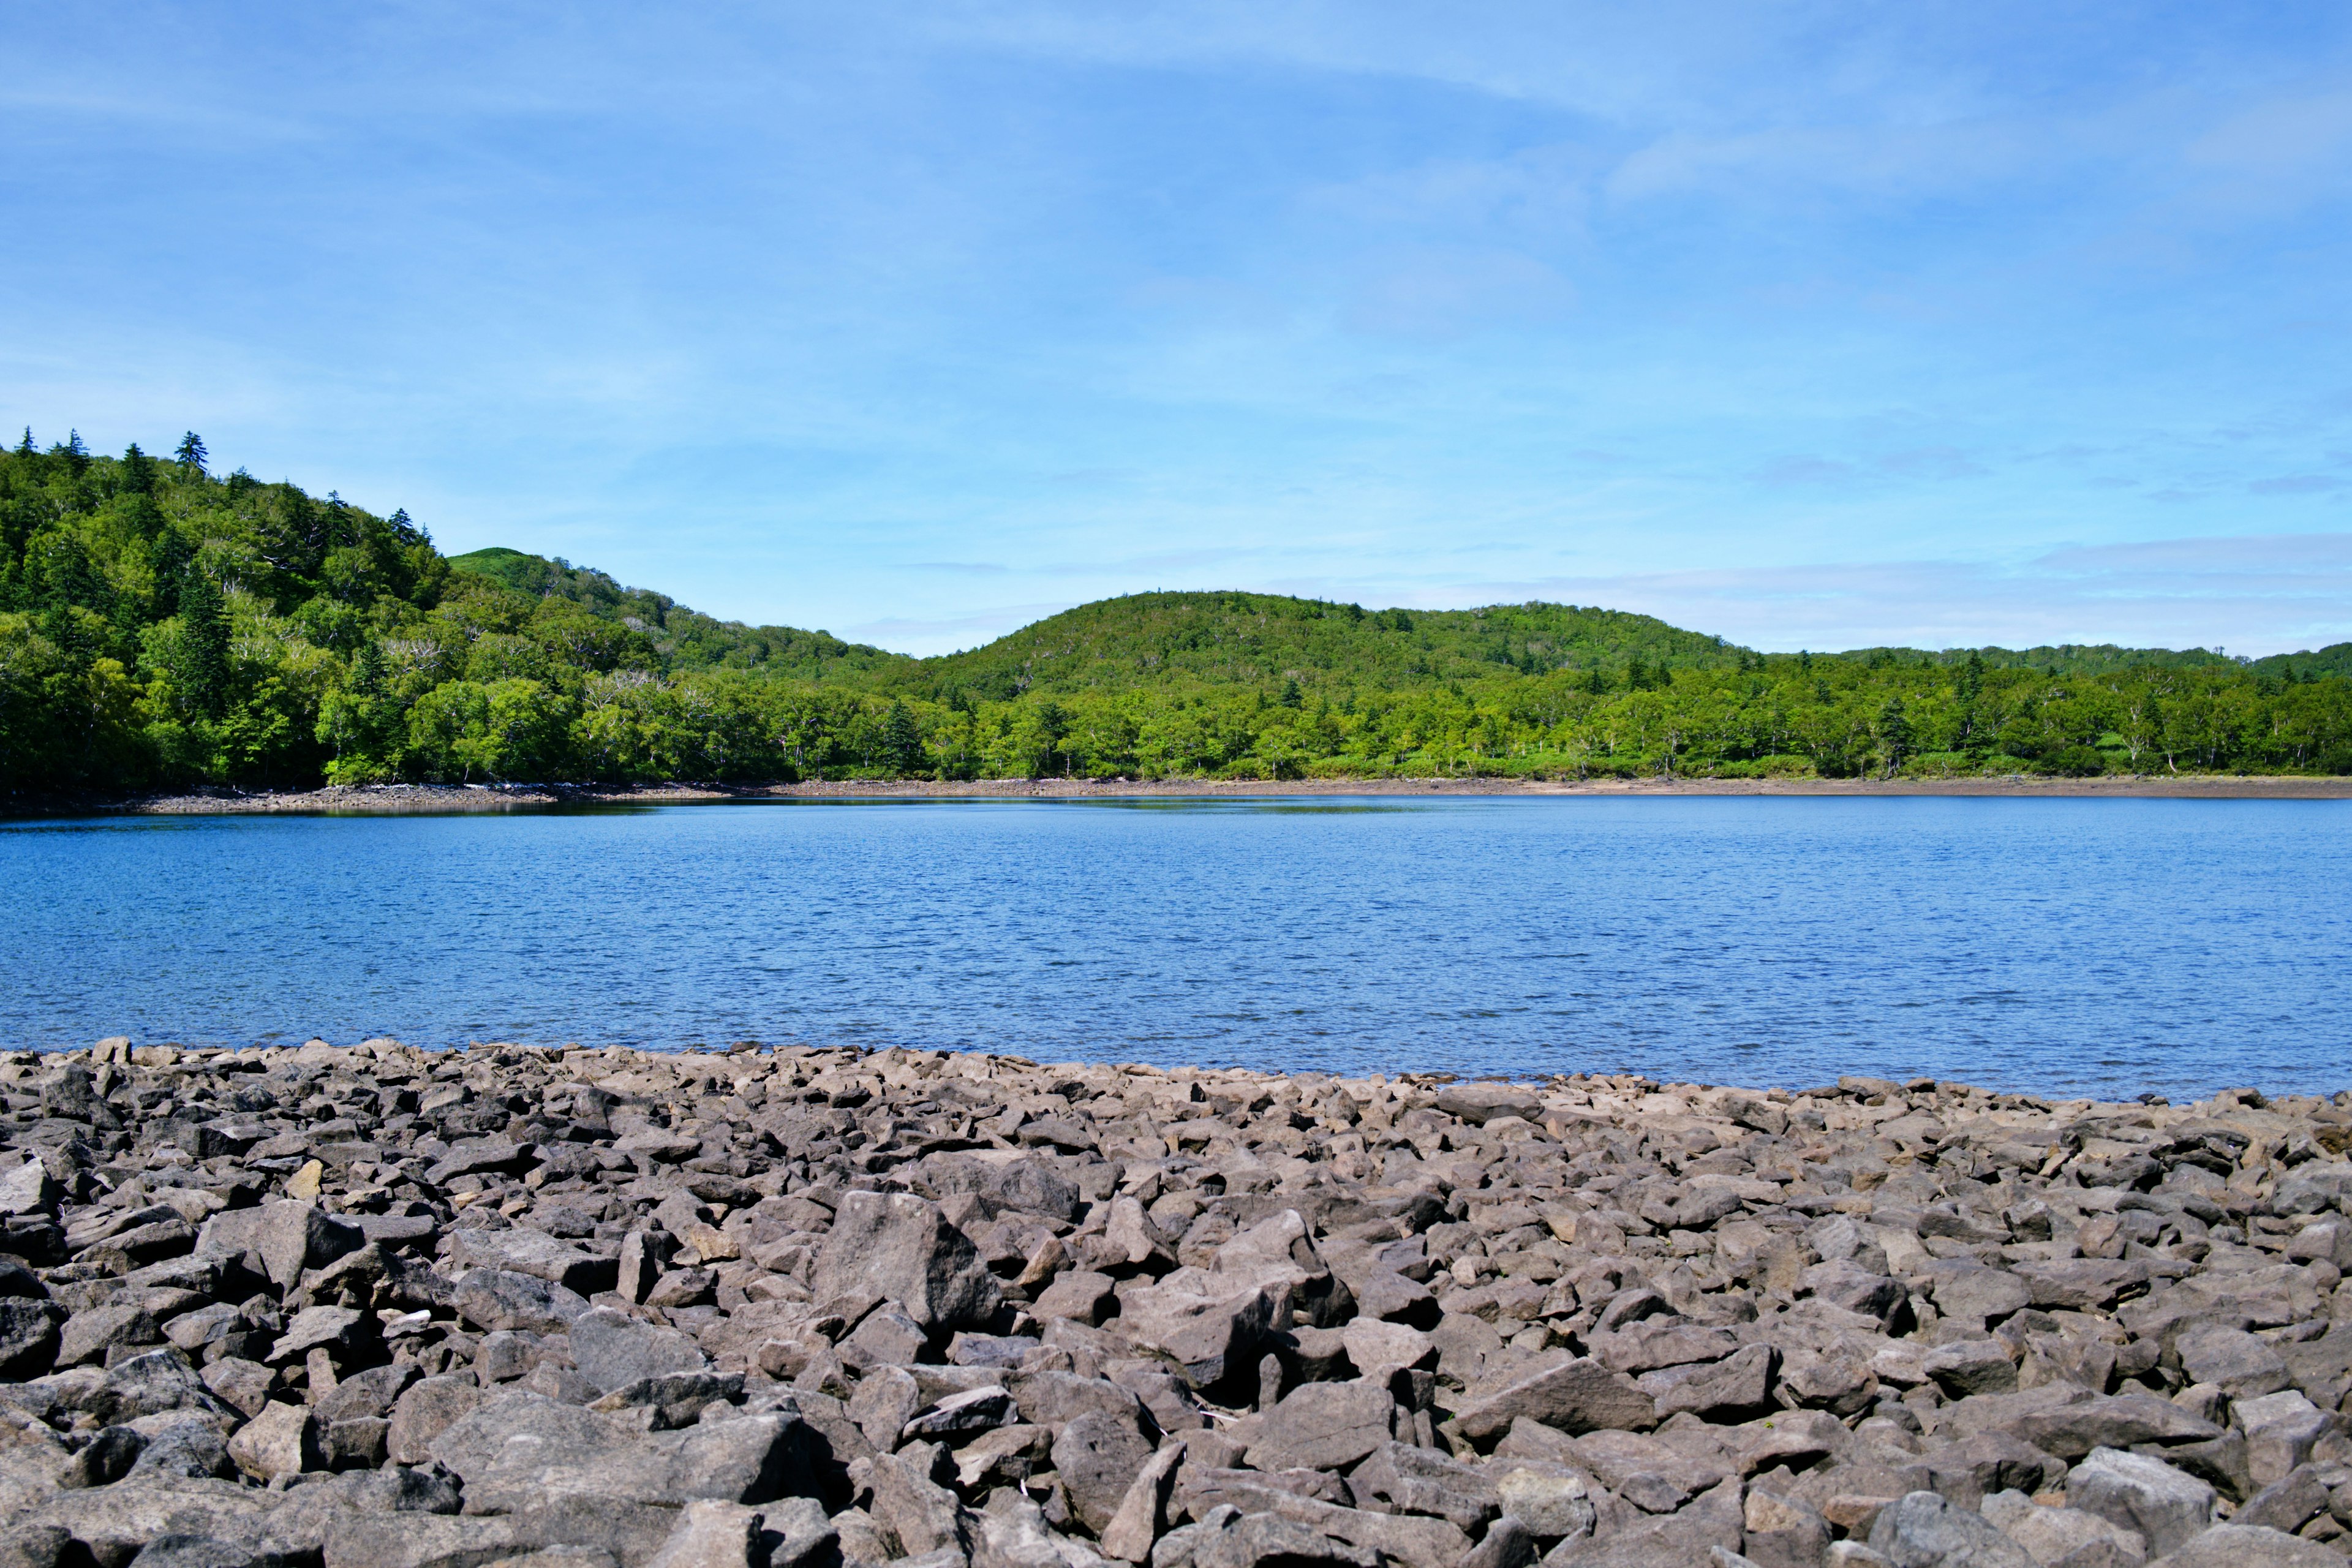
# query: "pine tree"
902 741
192 453
24 447
138 471
205 620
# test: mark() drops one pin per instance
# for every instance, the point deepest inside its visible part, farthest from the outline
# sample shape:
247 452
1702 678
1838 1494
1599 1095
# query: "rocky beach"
376 1307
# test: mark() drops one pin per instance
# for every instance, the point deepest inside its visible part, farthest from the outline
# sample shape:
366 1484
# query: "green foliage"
160 626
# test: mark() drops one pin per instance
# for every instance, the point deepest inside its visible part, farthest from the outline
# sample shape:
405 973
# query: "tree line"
163 626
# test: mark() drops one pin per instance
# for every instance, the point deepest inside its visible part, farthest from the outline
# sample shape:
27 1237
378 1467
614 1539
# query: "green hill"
161 626
1258 639
675 638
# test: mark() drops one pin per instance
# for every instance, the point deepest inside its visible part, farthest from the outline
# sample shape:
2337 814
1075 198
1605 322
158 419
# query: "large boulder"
1212 1325
1576 1397
613 1350
520 1250
1921 1529
517 1450
2164 1507
902 1248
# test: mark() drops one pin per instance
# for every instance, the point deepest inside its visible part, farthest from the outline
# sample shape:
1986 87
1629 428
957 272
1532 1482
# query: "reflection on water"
2061 945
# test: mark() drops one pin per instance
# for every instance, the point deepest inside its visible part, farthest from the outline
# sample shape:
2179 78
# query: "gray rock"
902 1248
283 1440
520 1250
1141 1517
1972 1366
516 1449
1406 1480
2286 1504
914 1510
1980 1295
89 1335
1552 1506
1324 1426
151 1385
2146 1496
2280 1431
1575 1397
1098 1457
1215 1327
613 1350
1923 1531
1478 1102
207 1552
712 1535
495 1299
27 1189
1783 1532
421 1540
2237 1546
292 1236
1737 1388
191 1448
1229 1539
2073 1430
28 1338
2064 1537
2231 1358
112 1524
424 1411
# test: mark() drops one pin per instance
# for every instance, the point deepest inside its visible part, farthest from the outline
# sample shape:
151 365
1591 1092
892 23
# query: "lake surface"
2062 946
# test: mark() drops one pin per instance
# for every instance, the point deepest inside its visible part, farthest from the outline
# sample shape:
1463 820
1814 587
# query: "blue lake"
2062 946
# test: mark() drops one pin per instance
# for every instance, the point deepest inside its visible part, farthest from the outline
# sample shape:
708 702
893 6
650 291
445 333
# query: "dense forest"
161 626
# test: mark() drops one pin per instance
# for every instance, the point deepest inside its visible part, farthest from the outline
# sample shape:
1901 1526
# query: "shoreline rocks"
382 1308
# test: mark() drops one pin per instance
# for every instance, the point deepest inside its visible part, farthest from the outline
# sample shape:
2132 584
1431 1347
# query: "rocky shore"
380 1307
392 800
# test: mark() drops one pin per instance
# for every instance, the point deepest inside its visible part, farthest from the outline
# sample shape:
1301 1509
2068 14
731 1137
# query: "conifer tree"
192 453
205 620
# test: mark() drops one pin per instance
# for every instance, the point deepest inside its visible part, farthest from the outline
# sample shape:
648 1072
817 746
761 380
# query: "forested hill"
161 627
668 634
1170 640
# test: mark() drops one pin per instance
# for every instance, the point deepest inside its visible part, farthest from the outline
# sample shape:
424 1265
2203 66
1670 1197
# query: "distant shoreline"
400 799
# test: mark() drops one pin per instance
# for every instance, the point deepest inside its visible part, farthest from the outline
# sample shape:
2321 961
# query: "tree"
1290 697
191 452
204 619
138 471
902 741
1894 733
1972 674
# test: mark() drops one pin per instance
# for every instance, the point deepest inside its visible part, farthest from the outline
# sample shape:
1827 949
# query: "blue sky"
1810 325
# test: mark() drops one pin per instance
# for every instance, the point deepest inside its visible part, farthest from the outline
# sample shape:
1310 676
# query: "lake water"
2063 946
